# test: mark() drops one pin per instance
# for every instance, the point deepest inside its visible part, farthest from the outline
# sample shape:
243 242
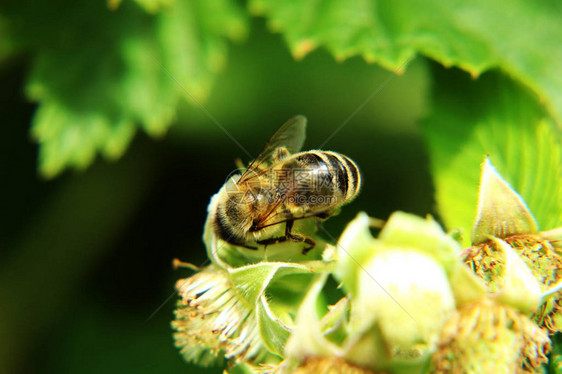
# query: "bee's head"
245 202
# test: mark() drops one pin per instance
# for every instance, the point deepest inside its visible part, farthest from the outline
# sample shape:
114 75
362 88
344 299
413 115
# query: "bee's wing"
290 135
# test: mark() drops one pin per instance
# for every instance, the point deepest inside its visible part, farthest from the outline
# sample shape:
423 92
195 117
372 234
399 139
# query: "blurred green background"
86 257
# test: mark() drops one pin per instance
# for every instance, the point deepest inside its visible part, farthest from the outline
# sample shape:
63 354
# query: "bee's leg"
289 236
266 242
241 244
281 239
311 243
299 238
293 238
248 247
269 241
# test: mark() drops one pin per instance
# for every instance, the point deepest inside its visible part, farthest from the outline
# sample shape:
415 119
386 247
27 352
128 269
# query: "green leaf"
100 73
475 36
496 117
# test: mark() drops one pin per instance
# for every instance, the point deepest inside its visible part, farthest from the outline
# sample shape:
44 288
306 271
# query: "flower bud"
401 294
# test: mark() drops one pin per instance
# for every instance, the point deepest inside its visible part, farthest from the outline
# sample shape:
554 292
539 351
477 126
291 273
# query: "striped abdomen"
321 180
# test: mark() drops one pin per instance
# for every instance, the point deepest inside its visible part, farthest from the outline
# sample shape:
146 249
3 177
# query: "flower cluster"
410 300
212 322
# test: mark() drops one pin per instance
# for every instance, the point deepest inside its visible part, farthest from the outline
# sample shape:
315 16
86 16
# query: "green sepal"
501 210
307 338
519 287
424 235
353 248
467 287
252 280
274 332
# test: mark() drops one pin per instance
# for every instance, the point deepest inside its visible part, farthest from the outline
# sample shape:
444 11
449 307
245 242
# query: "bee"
281 186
